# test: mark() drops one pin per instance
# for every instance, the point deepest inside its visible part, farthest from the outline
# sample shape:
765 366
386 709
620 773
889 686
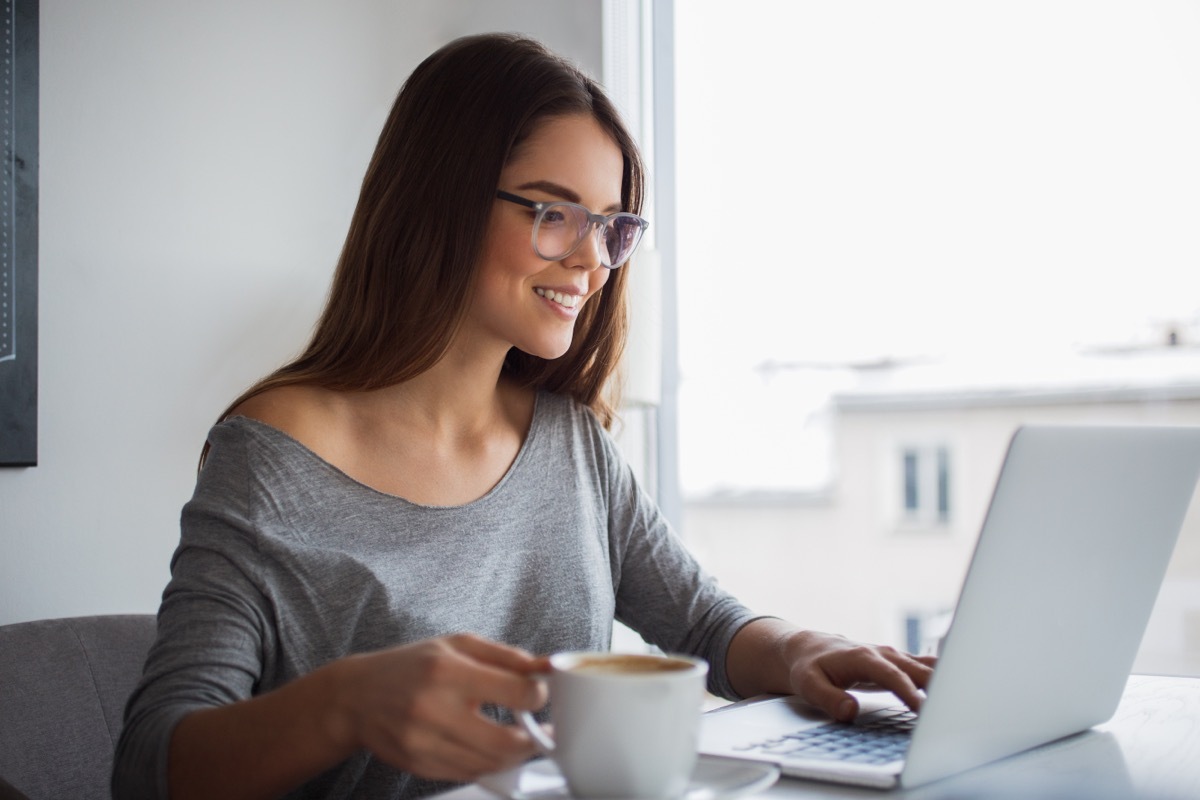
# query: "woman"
387 529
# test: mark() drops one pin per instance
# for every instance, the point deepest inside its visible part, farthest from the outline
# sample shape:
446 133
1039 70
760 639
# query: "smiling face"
522 300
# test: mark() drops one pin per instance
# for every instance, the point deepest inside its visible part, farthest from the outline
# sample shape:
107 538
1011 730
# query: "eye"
556 215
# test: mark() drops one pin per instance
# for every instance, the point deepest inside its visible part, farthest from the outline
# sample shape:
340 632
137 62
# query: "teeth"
567 300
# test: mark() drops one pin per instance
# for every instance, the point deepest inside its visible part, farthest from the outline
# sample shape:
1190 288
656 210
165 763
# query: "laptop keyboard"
876 738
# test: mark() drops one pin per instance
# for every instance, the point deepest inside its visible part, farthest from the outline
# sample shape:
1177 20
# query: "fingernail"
847 711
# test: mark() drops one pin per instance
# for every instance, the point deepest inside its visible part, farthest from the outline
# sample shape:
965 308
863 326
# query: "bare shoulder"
309 414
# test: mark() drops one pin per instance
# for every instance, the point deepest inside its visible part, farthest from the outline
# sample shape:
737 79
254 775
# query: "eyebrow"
558 190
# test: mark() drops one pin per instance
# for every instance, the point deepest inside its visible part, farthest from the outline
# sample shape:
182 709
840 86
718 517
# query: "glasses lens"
560 229
621 237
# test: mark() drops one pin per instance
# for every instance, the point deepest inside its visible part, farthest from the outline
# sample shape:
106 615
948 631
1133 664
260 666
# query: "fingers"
500 674
899 673
419 707
475 746
914 668
825 695
500 655
831 665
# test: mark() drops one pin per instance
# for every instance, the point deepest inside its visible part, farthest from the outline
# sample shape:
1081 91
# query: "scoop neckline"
308 453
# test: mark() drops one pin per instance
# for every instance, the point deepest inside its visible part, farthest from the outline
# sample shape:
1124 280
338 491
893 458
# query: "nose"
587 254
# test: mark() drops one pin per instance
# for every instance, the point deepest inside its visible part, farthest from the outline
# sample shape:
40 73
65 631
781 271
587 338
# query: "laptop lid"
1077 538
1069 562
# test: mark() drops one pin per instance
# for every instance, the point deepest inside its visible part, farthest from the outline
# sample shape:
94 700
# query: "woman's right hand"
418 708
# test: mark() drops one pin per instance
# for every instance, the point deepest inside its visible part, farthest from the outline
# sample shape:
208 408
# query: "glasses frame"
594 221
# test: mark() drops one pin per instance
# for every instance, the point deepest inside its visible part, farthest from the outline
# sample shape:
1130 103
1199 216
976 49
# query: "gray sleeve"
662 592
212 628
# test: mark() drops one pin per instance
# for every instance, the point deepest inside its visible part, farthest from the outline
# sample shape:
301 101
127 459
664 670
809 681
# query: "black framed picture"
18 233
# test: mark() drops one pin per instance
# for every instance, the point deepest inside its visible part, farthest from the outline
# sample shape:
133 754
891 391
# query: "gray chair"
63 688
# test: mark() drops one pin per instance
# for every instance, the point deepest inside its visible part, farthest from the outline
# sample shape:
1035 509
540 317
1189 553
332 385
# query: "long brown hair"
408 267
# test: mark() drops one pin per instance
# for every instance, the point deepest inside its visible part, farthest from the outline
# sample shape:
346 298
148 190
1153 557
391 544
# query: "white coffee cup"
625 725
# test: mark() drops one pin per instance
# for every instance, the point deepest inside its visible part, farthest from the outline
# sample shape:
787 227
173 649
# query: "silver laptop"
1068 564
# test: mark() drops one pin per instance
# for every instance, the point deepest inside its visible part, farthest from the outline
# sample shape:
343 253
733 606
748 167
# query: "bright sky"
868 179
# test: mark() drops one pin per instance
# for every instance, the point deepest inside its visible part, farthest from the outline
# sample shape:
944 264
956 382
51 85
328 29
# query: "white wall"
199 164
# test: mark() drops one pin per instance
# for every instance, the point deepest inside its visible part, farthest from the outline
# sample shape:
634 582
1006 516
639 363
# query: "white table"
1149 750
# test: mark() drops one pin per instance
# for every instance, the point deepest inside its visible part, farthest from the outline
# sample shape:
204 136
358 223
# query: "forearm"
261 747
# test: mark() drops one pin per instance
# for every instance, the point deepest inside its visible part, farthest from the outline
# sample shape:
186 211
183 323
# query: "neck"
463 394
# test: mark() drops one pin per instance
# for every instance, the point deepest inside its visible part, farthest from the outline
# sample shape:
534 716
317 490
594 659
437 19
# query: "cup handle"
540 737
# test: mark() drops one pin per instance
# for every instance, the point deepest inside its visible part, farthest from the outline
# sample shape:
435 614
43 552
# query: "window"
926 485
906 226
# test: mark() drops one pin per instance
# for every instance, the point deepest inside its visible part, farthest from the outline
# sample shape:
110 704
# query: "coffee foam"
630 664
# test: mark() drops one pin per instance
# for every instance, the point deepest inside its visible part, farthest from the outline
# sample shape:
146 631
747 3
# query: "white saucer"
714 778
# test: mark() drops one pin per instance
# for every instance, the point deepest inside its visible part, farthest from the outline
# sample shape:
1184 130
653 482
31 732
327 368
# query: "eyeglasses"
559 228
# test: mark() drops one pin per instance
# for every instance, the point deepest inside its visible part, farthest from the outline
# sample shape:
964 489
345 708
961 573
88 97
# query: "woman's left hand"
823 666
771 656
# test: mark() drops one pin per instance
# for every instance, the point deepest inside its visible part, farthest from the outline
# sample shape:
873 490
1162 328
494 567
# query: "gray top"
286 563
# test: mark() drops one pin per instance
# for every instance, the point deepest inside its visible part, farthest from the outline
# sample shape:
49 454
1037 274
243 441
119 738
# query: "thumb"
837 703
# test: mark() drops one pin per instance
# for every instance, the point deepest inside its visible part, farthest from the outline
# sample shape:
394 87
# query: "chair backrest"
63 688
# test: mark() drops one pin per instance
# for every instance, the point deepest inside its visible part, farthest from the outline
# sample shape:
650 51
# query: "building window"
912 492
926 484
